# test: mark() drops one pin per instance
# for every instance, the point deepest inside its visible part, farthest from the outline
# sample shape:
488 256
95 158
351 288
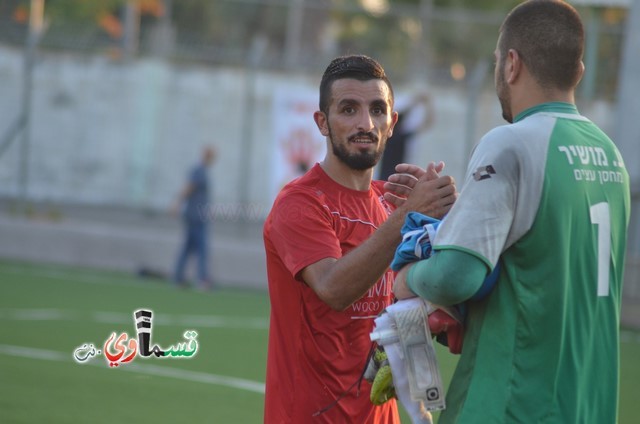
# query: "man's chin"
360 163
357 159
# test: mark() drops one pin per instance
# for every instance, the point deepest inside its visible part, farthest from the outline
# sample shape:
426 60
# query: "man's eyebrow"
382 104
378 103
346 101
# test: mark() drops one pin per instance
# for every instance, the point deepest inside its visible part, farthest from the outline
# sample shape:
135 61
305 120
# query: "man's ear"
394 121
514 66
321 122
581 71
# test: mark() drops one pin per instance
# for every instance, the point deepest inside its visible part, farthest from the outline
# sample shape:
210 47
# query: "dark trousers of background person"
195 243
395 151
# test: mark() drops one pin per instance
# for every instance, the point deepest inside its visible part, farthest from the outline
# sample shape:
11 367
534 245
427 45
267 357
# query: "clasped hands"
413 188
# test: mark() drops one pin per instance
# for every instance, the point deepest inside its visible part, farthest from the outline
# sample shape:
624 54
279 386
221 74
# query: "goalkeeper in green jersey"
548 196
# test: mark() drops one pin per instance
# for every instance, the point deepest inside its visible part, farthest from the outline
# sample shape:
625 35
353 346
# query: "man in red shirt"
329 240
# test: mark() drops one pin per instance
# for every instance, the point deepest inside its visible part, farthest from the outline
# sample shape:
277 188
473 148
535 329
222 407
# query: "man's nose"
365 122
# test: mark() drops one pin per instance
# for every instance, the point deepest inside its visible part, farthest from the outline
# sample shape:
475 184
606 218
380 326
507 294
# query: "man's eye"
377 111
348 110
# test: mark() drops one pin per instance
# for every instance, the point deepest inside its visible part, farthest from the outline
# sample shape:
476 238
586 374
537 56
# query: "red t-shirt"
316 353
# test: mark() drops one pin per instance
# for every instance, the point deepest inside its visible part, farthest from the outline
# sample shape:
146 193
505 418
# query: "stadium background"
101 118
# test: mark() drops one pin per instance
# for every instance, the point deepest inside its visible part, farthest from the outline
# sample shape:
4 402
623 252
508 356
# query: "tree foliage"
405 34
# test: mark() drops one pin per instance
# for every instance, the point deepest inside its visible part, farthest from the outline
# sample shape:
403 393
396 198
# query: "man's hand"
421 190
400 288
414 171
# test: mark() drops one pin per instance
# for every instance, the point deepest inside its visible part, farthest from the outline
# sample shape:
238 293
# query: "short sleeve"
302 231
480 220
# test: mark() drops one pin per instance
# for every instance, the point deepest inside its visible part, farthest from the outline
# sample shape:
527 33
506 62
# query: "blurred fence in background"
122 105
414 40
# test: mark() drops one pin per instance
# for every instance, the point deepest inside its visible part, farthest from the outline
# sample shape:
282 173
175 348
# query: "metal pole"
627 135
163 35
591 54
131 30
35 30
420 61
256 53
13 130
294 32
474 87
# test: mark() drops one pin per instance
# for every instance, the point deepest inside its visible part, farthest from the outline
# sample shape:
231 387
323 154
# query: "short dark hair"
549 38
359 67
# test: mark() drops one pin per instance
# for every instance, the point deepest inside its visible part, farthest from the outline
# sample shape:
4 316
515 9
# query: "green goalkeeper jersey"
549 196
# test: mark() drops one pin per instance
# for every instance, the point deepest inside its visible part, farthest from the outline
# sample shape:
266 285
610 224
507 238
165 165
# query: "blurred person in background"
415 116
329 241
548 196
193 202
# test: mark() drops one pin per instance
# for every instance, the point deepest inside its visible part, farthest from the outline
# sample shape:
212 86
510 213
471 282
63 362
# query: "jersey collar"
558 107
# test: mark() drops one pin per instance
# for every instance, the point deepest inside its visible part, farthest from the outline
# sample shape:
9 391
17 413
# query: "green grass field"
46 312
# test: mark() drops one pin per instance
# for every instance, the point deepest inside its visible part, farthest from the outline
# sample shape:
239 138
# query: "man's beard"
502 90
360 161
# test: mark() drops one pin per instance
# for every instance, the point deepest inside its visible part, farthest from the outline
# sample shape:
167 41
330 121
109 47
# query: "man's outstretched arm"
447 278
341 281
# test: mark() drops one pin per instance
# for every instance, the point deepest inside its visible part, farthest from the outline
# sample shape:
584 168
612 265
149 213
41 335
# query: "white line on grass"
106 317
210 321
629 337
29 352
220 380
154 370
37 314
64 275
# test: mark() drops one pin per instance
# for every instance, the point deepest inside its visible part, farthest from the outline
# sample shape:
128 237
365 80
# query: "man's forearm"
448 277
352 275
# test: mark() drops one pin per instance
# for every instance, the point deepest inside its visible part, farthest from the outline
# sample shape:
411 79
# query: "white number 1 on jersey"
600 217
